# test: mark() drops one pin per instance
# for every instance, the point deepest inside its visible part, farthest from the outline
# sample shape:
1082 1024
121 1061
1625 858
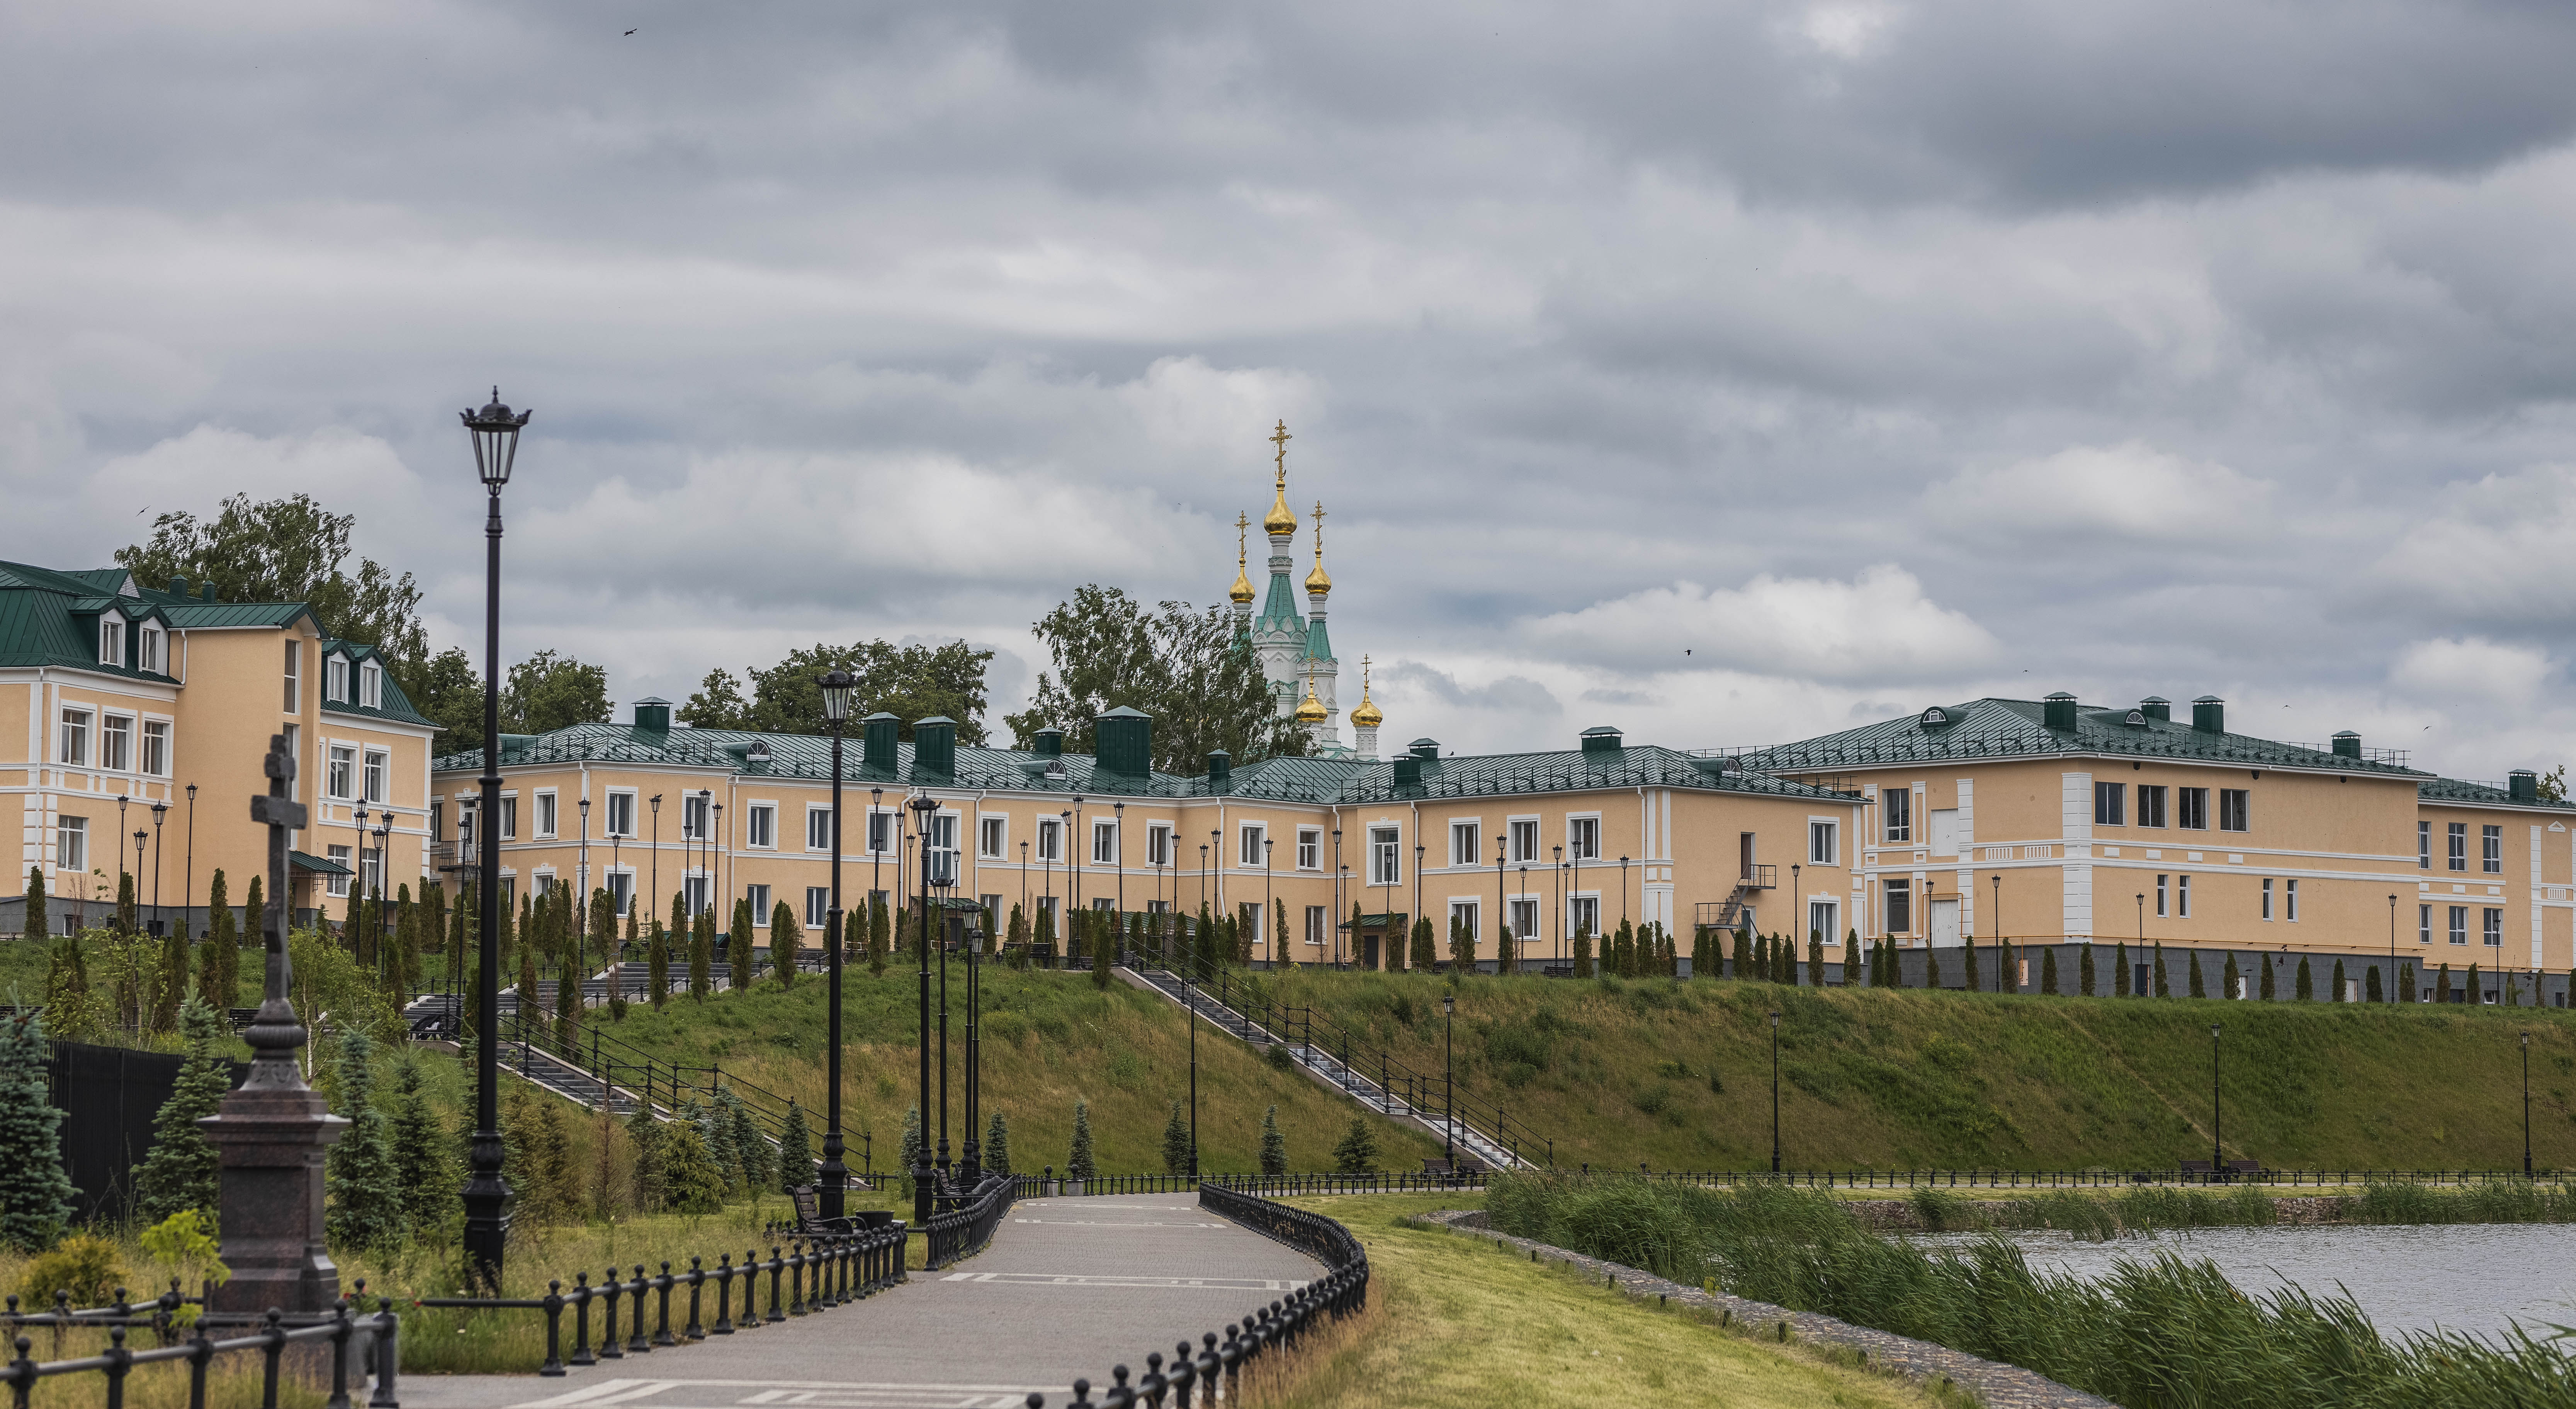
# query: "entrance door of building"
1945 923
1368 950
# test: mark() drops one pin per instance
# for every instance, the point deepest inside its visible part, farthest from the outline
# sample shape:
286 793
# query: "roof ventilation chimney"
934 747
2209 714
2522 785
1408 774
2347 744
1047 743
2058 712
1122 742
1220 773
1425 748
2156 707
653 714
878 734
1599 740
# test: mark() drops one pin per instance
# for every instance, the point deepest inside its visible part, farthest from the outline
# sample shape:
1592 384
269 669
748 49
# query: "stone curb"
1997 1386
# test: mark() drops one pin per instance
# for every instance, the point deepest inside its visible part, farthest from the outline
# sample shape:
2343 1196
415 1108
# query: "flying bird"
630 31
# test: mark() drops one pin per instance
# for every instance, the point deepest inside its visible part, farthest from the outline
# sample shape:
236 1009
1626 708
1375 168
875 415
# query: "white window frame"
1824 841
340 771
697 816
1248 840
2236 805
111 640
376 773
620 799
884 830
992 836
2459 924
1466 840
371 685
148 650
1530 908
2290 901
1583 912
2423 924
71 843
621 889
1831 927
2182 896
1158 844
760 826
2193 804
1891 889
335 678
694 894
2458 837
818 827
72 743
945 824
2491 850
2267 897
2161 894
1474 912
548 815
818 908
337 884
759 896
1517 830
116 742
1896 809
1319 919
1583 837
1385 855
1310 848
294 677
156 748
1104 841
1050 839
2491 926
2423 846
2155 806
509 816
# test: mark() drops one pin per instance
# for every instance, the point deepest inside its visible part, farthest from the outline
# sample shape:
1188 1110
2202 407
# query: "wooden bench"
809 1213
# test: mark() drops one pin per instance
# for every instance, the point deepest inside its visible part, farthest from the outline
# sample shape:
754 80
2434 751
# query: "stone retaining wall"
1995 1385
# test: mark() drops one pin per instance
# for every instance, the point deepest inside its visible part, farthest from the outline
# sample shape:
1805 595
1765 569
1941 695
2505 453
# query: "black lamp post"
2392 949
1193 1020
160 811
140 838
876 867
1448 1085
384 830
581 904
1623 890
188 869
1560 901
2214 1157
1418 850
1269 897
973 935
1118 856
653 870
495 433
121 872
2526 1105
1775 1093
357 936
837 687
921 1176
1502 910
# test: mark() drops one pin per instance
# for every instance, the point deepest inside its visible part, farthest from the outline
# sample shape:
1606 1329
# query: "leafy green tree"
786 942
1175 662
182 1171
2305 989
1274 1145
286 550
67 997
366 1208
1357 1151
910 682
795 1150
548 691
650 1176
447 690
424 1156
35 1194
1079 1164
1176 1142
997 1145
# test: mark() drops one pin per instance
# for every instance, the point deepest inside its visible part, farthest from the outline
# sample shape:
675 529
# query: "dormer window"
371 685
335 678
148 651
1935 717
2137 719
111 641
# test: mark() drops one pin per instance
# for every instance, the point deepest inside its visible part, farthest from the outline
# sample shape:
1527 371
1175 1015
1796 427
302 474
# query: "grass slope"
1457 1324
1677 1074
1049 1040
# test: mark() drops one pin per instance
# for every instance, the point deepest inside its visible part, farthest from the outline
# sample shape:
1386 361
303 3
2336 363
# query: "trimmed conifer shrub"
39 922
35 1194
1462 946
2340 980
2162 979
1357 1151
649 1177
220 955
2084 977
657 965
1975 984
786 942
2191 971
2306 990
690 1176
1583 952
741 965
997 1144
1815 958
182 1172
702 957
1104 950
2048 971
1079 1163
568 998
2230 977
366 1208
1932 969
1740 963
795 1146
1426 952
2120 970
1274 1145
1176 1142
424 1154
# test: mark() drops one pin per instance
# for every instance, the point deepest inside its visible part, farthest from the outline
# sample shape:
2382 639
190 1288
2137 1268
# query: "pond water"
2476 1277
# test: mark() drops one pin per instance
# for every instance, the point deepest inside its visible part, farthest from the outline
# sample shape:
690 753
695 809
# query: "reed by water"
2159 1332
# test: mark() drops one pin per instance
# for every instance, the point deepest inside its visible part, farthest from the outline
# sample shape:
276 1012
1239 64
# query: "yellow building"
117 699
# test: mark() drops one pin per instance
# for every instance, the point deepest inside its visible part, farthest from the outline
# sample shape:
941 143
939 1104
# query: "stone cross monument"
273 1132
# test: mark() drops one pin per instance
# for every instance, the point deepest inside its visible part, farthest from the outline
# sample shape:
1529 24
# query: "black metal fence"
200 1348
2081 1178
962 1231
1212 1370
808 1276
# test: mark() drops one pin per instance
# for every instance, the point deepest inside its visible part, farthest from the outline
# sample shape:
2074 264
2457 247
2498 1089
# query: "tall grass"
2156 1333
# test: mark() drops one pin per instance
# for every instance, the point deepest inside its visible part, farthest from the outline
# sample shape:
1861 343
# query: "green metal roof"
303 861
2484 794
1998 728
43 618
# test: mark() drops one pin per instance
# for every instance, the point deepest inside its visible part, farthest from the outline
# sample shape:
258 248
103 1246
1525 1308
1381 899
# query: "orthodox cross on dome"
1280 438
1242 526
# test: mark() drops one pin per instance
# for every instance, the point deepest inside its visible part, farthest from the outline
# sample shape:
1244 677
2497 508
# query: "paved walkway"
1068 1288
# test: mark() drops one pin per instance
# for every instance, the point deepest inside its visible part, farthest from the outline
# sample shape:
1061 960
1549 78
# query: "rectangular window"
156 748
2424 846
379 763
991 835
111 641
2233 809
759 898
1583 839
1385 860
342 780
437 819
2110 804
2290 901
621 891
294 677
116 743
1525 920
71 843
2491 849
2459 857
881 824
2423 924
1823 844
545 813
942 843
2267 897
2494 931
693 816
2459 924
818 907
2151 804
1524 839
371 869
1158 844
1900 907
763 825
1316 918
2194 806
621 814
2161 911
509 818
1104 843
2182 897
371 685
1585 916
339 881
1462 844
693 895
1247 843
1899 805
1049 831
1462 914
75 738
1310 848
335 679
818 829
148 651
1824 921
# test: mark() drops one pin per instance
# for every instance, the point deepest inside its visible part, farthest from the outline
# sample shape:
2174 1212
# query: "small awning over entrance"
1379 922
319 865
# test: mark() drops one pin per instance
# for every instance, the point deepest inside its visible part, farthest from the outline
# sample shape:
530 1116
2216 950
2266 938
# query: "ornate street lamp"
921 1172
581 901
1448 1085
160 810
837 688
2526 1100
188 871
495 433
653 869
1775 1091
2215 1162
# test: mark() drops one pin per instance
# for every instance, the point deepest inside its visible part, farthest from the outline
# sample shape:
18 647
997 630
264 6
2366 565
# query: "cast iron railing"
807 1276
962 1231
1212 1370
200 1349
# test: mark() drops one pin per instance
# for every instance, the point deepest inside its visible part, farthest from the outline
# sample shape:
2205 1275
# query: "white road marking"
817 1394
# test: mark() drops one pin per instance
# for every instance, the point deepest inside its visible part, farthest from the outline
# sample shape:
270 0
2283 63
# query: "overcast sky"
1726 372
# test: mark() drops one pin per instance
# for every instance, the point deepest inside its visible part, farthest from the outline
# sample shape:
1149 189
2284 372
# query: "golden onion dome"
1318 582
1367 716
1312 710
1241 591
1281 519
